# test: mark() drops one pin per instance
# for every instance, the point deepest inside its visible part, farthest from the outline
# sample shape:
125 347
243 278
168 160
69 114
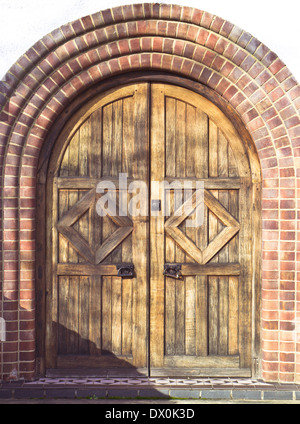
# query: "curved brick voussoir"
186 42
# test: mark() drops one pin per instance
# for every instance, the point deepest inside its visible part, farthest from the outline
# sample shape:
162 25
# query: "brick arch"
186 42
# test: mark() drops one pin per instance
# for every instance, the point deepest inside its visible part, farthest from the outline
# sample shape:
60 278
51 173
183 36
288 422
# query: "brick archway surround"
183 41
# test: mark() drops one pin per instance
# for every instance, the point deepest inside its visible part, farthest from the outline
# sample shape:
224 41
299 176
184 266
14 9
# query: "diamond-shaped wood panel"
65 227
232 227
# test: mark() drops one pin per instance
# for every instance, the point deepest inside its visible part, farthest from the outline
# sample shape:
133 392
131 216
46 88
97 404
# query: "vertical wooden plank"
127 285
202 298
170 284
107 229
126 317
117 138
180 160
213 291
73 168
190 282
63 206
116 325
190 316
95 315
201 169
74 281
256 260
63 281
140 235
83 315
83 149
245 287
95 234
116 158
73 315
63 296
157 253
233 253
83 229
83 168
115 161
106 342
223 254
52 317
95 148
232 165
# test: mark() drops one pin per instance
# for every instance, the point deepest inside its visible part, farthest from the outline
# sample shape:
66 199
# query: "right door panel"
200 316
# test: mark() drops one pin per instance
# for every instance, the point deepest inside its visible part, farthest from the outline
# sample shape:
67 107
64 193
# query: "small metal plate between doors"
155 205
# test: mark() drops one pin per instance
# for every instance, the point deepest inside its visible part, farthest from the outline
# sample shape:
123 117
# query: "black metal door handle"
125 270
173 271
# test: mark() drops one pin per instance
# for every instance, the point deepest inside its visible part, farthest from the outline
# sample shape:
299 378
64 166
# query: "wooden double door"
156 279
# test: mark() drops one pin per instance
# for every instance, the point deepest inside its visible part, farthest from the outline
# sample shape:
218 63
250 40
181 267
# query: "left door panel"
94 317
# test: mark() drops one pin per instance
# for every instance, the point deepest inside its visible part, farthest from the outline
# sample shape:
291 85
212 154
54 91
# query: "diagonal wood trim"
217 243
111 243
184 210
77 210
215 206
185 243
123 220
78 242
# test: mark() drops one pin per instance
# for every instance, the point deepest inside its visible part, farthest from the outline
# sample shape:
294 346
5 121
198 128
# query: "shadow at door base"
86 360
80 357
97 372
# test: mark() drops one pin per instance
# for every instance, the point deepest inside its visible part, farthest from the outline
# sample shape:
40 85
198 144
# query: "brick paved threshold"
149 388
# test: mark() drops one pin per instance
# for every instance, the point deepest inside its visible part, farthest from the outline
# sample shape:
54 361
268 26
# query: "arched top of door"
196 94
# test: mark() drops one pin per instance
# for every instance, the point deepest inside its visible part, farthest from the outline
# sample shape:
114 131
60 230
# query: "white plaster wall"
274 22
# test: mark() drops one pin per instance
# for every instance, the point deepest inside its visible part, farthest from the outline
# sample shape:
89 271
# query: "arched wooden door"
196 320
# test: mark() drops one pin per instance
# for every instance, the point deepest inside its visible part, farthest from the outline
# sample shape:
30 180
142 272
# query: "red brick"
197 16
285 367
205 75
221 45
206 19
165 11
182 30
217 24
270 366
192 33
187 67
226 29
87 23
202 37
208 58
157 60
211 41
270 356
177 63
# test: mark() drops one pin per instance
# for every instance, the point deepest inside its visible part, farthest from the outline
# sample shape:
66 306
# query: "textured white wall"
274 22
